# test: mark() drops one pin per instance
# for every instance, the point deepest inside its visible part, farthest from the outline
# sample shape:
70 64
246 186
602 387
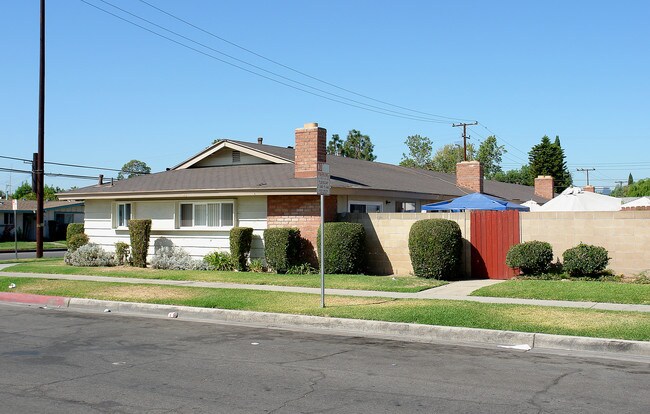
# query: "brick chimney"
311 143
469 175
589 189
544 186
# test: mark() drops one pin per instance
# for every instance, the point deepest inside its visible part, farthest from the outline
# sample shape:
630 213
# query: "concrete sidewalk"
453 291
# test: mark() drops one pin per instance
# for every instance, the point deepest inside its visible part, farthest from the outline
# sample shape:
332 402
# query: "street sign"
323 179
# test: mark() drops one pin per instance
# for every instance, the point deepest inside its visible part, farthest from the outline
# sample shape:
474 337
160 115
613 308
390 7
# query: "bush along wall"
281 248
532 258
240 246
345 248
435 248
585 260
139 232
73 228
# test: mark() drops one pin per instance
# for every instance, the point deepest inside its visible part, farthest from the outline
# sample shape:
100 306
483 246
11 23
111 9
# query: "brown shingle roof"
346 173
30 205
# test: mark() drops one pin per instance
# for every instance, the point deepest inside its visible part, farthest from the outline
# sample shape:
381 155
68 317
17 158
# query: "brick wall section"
469 175
544 186
589 189
310 149
299 211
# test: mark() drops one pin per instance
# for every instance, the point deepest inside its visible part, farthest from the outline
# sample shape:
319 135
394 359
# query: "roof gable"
226 152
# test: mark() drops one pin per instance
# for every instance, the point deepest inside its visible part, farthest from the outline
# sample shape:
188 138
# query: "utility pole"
586 170
620 183
465 137
41 139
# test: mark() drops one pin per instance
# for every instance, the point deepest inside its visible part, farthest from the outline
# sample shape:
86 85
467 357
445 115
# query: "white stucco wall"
250 212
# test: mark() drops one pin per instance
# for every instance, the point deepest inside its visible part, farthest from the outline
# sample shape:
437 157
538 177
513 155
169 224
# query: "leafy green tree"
133 168
25 192
547 158
446 158
489 155
357 145
420 152
521 176
640 188
335 145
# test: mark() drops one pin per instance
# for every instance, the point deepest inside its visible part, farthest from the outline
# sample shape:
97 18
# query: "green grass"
23 245
355 282
564 321
585 291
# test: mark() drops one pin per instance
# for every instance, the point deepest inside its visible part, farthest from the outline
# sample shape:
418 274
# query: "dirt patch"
143 293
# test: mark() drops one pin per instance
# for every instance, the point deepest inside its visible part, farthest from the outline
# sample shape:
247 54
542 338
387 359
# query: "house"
233 183
57 216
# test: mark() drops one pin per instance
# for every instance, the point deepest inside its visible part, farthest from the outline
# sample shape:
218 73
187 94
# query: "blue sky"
115 92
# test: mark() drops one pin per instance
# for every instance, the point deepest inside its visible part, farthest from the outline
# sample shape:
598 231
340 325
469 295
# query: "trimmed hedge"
73 228
121 253
435 247
139 232
240 246
345 248
76 241
532 258
282 248
585 260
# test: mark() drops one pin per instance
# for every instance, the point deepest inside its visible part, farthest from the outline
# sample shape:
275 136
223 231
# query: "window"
207 215
364 207
9 218
64 218
405 207
123 214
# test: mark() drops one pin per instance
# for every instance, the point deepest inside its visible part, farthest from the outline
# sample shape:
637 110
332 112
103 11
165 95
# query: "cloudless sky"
115 92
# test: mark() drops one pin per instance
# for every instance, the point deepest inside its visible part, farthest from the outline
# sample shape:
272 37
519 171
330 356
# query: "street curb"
409 332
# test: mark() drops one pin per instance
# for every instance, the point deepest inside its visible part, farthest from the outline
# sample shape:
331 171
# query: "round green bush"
585 260
531 258
72 229
76 241
282 248
435 248
345 248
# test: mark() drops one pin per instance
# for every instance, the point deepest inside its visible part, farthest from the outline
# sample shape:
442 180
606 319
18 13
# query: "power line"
293 69
382 111
71 165
50 174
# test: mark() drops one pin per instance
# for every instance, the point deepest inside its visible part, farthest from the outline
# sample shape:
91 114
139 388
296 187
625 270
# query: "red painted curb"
35 299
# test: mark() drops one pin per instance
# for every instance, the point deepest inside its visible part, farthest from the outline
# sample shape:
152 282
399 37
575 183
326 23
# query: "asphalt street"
58 361
29 255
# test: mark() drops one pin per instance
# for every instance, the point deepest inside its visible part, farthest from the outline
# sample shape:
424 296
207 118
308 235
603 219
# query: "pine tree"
548 158
630 179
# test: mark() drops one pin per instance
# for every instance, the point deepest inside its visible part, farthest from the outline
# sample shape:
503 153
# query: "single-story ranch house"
233 183
57 216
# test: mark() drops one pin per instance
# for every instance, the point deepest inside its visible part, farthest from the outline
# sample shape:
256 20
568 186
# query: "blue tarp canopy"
474 201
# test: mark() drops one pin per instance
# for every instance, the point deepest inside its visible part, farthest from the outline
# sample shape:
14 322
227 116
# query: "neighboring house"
57 216
233 183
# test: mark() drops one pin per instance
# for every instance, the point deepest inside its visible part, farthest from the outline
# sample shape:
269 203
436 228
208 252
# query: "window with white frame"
207 214
123 214
365 206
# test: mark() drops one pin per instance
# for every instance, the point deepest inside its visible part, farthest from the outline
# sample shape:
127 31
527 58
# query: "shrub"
139 232
175 258
121 253
532 258
76 241
345 248
302 269
240 246
435 248
585 260
73 228
89 255
220 260
257 266
281 247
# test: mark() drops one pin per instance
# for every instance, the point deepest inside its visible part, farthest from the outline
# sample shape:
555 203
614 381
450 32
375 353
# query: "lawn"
564 321
23 245
355 282
585 291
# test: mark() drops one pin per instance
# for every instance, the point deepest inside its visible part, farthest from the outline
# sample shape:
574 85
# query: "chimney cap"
311 125
260 140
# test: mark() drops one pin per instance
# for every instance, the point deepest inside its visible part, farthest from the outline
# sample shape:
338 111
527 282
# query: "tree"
547 158
446 158
133 168
420 151
335 145
521 176
640 188
356 145
489 155
25 192
630 179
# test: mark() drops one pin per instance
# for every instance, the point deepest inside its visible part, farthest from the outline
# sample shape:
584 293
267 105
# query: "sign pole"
322 251
14 206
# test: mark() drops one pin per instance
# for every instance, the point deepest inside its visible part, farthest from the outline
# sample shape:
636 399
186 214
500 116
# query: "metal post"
322 251
16 233
40 184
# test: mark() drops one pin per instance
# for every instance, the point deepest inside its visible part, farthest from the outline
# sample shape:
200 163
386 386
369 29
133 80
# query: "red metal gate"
492 234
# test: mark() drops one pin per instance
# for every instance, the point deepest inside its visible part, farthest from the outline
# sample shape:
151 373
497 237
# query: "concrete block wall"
625 234
387 239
